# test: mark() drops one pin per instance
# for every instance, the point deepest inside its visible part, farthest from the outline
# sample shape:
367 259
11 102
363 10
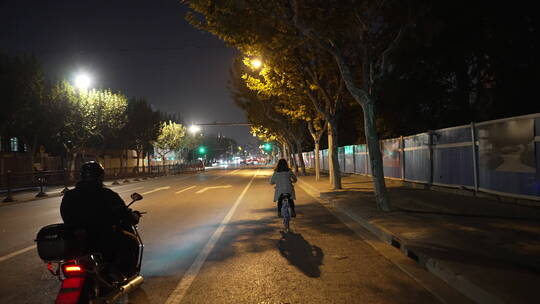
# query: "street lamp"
256 63
83 81
193 129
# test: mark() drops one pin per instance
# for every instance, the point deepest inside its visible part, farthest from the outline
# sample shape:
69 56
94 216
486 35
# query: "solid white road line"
178 293
130 190
16 253
185 189
155 190
213 187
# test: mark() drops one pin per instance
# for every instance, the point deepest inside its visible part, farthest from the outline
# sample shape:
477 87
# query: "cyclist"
283 178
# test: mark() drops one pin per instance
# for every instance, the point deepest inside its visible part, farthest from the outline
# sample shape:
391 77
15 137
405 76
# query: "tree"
268 111
189 143
257 29
142 127
88 116
169 139
26 112
361 36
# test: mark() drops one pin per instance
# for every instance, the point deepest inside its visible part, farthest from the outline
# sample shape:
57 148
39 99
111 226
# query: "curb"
434 266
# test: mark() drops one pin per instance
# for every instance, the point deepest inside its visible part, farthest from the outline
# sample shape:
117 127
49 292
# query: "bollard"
136 179
41 180
65 183
115 181
9 197
126 180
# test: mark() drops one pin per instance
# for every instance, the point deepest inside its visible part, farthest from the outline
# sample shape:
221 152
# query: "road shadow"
301 254
136 297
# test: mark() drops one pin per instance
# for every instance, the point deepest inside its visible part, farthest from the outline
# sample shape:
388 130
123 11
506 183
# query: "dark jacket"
93 207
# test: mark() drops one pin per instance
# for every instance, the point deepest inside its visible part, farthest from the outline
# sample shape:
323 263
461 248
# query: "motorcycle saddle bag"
57 242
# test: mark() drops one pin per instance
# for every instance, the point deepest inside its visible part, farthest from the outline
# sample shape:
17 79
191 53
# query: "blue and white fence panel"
416 158
508 155
324 159
500 156
391 155
361 160
453 163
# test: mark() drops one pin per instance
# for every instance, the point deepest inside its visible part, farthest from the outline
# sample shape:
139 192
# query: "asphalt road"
214 237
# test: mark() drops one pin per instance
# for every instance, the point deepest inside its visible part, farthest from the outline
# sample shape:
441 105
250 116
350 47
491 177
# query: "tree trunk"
333 162
142 161
316 135
300 157
292 159
366 101
149 164
375 157
127 160
71 165
317 164
138 157
121 158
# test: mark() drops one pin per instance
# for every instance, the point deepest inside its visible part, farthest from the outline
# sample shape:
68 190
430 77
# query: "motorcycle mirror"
136 196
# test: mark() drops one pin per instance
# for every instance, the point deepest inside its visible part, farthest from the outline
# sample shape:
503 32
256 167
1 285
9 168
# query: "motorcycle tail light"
72 269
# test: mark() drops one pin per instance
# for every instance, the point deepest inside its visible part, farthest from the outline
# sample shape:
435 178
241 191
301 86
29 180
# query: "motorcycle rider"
102 216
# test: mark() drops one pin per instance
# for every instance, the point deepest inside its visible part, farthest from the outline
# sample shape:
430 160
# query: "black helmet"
92 172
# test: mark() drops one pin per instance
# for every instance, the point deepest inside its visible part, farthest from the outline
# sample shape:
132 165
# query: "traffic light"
267 147
202 150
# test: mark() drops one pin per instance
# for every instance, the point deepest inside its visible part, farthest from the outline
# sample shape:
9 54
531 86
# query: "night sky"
140 48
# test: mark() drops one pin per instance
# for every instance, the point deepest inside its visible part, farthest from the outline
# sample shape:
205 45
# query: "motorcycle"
85 276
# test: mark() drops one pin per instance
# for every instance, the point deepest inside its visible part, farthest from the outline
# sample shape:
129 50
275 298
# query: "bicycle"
286 212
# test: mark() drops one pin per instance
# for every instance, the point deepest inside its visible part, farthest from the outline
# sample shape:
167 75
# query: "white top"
283 181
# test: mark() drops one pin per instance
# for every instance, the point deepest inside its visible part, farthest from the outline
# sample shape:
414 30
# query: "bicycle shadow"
301 254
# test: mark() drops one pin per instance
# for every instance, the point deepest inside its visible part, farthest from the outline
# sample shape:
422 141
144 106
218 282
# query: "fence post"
41 180
366 159
354 159
430 155
115 181
65 182
9 197
402 155
474 157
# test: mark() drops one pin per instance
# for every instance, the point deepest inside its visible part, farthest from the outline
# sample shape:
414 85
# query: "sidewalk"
489 251
27 195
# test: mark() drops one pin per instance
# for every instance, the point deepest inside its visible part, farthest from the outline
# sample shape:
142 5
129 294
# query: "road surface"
214 237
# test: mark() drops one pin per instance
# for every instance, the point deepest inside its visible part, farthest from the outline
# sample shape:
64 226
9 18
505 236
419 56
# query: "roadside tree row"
386 67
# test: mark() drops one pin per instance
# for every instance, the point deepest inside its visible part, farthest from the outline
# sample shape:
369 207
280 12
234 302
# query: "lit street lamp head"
256 63
83 81
193 129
